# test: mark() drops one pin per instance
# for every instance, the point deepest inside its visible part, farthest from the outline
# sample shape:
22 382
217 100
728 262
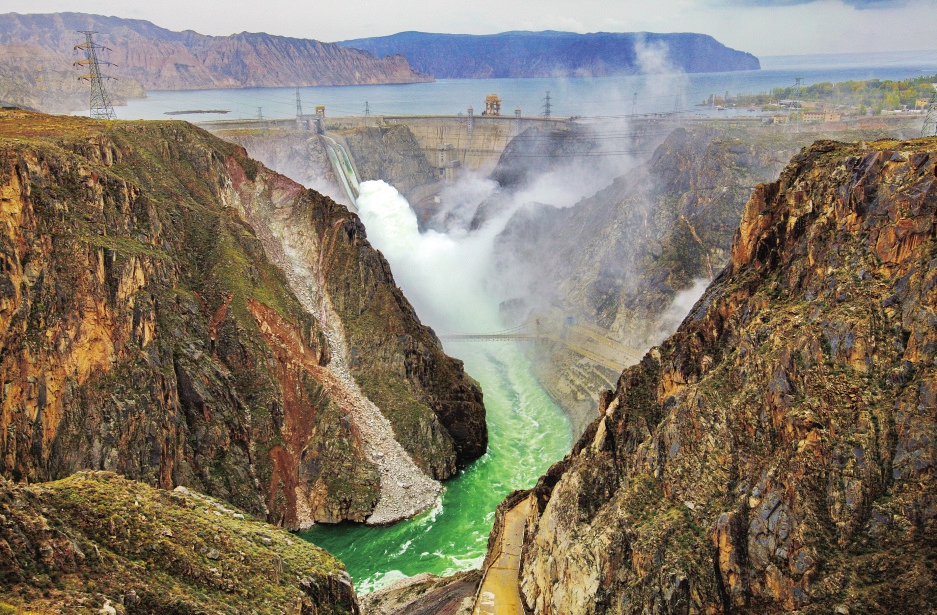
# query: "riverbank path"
499 594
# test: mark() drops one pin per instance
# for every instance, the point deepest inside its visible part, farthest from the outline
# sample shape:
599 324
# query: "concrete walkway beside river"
499 593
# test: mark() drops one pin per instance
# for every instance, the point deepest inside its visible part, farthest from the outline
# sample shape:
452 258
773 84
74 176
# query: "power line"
100 106
929 129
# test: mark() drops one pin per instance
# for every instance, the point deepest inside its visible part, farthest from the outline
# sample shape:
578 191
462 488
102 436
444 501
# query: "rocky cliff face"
161 59
175 312
95 542
390 153
298 154
425 594
777 452
633 257
38 79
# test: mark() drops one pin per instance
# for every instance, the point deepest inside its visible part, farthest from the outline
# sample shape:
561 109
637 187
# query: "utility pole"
634 105
299 111
100 107
929 129
547 108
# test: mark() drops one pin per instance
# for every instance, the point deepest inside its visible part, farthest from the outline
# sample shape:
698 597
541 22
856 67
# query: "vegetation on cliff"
620 258
95 541
147 329
777 452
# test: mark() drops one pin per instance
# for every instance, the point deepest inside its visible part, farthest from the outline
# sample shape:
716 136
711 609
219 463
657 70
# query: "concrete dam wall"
417 154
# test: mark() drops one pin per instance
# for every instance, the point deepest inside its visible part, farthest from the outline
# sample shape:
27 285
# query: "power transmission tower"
929 129
299 111
547 108
100 102
260 113
367 109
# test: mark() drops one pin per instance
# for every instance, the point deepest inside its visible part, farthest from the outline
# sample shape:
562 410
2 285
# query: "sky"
761 27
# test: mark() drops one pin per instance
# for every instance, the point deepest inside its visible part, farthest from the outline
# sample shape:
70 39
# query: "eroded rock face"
299 154
776 453
161 59
425 594
96 539
146 328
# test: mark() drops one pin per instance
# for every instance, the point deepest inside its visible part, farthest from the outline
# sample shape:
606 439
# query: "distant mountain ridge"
162 59
556 54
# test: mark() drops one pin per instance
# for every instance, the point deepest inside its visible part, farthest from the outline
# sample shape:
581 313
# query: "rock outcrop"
161 59
554 54
173 311
425 594
37 79
301 155
777 452
390 153
633 257
95 542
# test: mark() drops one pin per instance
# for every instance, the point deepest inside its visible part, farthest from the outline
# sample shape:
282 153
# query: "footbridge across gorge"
585 339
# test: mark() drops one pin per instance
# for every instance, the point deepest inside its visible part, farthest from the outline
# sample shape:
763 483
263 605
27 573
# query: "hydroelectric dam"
419 154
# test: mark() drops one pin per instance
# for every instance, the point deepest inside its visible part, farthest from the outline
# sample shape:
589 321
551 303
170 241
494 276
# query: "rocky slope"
98 543
777 452
34 78
175 312
633 257
299 154
425 594
390 153
161 59
553 54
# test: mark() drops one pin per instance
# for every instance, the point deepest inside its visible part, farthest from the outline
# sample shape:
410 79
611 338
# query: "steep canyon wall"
149 330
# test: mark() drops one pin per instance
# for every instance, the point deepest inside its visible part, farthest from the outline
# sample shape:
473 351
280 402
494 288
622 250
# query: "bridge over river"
585 339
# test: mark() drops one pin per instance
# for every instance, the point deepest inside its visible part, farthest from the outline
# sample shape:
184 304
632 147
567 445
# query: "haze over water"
586 97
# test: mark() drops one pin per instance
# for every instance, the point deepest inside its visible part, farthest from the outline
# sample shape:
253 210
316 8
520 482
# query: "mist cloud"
858 4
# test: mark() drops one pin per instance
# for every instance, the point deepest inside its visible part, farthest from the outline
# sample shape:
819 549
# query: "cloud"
858 4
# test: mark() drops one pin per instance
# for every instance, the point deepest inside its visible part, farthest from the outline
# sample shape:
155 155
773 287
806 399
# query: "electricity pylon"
929 129
547 107
100 102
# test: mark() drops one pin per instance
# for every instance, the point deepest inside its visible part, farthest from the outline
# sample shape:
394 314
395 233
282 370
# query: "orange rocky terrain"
175 312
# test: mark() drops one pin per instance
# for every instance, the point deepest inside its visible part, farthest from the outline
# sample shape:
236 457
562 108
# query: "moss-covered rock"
135 325
777 453
95 538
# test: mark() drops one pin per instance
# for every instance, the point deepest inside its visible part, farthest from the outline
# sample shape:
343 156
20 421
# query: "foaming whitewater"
443 275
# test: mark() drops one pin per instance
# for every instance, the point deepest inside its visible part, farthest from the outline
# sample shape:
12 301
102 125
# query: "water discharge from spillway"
443 276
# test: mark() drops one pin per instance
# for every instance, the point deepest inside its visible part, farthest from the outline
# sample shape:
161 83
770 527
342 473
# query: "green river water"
527 433
444 276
